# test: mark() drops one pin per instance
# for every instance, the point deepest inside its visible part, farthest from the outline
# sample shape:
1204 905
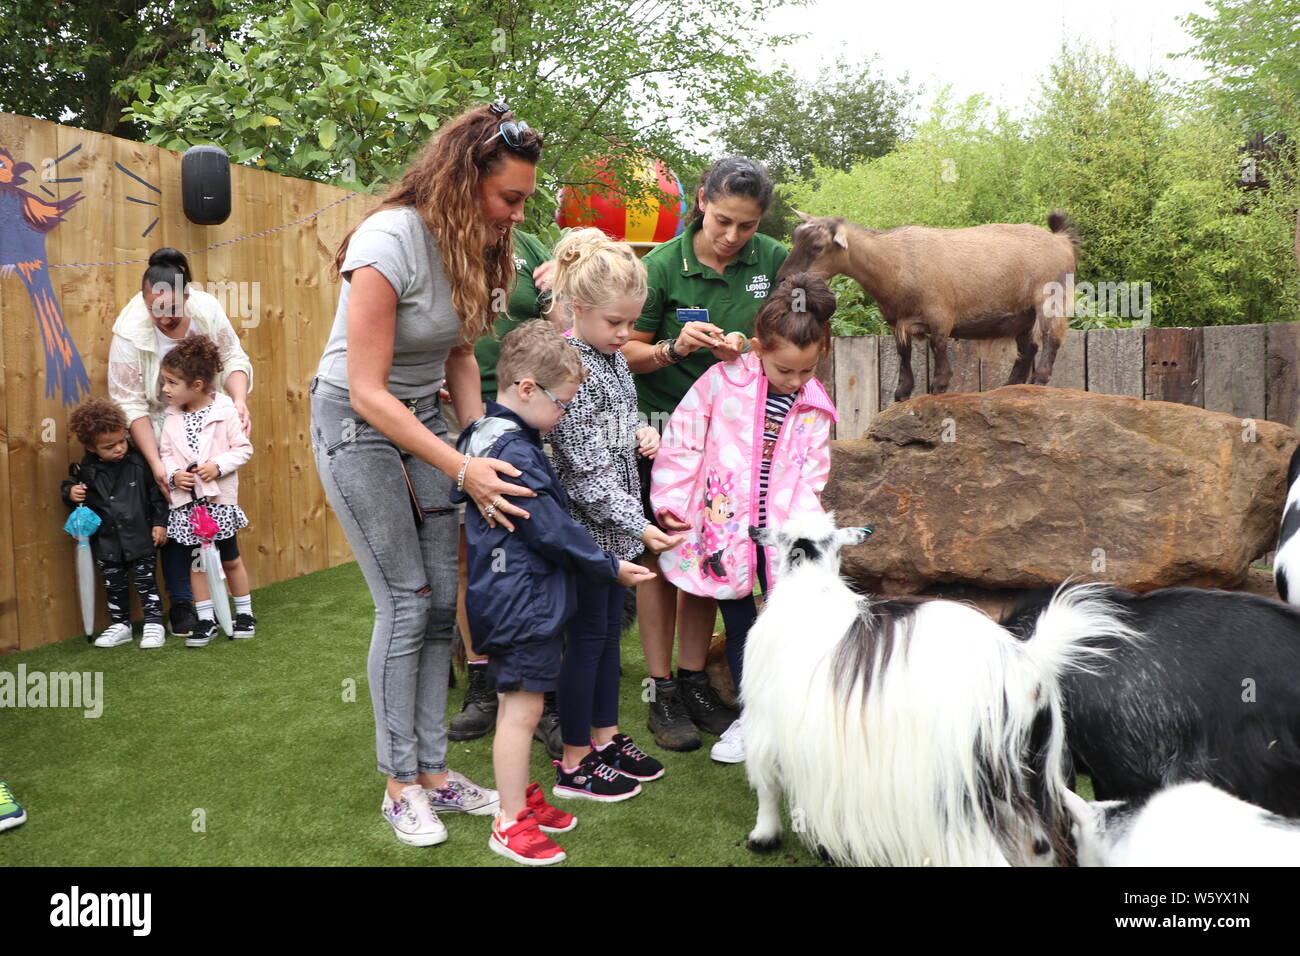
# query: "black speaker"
205 185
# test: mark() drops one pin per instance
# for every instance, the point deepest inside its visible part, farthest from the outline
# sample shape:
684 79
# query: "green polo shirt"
530 253
677 280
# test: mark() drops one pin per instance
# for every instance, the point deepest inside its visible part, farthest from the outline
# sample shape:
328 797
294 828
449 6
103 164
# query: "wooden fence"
1246 370
277 247
279 241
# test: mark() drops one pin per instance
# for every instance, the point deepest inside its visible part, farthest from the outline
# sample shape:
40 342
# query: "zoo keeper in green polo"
705 287
534 269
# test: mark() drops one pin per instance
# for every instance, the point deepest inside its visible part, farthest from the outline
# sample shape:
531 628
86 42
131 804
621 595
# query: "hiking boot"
478 714
669 721
703 705
183 617
548 728
629 759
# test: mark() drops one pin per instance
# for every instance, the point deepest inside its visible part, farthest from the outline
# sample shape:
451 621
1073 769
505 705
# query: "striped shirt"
778 406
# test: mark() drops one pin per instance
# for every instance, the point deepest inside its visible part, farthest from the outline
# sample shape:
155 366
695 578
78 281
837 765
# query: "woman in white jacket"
165 311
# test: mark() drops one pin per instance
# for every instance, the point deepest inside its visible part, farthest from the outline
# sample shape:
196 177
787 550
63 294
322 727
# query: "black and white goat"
1286 562
1211 693
906 733
1191 824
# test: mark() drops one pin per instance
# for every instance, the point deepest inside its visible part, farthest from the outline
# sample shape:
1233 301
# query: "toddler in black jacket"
114 481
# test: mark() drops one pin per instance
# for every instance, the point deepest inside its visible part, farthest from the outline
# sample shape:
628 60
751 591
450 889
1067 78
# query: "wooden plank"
13 302
1070 368
963 356
889 368
857 384
824 373
1282 378
1116 361
1175 366
306 531
1235 366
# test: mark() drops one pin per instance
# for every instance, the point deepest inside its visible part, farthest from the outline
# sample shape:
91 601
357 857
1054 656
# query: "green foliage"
1150 176
1252 50
847 114
315 95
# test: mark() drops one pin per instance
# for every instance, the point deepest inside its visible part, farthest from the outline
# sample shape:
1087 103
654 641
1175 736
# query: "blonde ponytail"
593 269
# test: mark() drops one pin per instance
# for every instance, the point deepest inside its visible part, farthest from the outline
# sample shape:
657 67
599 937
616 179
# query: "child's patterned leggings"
119 576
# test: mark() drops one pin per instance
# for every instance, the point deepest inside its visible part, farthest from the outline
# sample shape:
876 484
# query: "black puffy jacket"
128 502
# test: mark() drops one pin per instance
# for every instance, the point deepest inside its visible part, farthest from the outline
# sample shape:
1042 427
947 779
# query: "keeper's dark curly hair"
95 417
193 358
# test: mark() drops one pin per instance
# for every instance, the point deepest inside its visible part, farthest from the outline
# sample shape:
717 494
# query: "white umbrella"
81 524
206 529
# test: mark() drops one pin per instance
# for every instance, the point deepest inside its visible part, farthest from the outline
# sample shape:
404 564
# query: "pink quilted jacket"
221 439
706 474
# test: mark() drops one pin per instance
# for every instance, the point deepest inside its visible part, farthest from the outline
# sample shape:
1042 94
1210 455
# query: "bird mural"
25 220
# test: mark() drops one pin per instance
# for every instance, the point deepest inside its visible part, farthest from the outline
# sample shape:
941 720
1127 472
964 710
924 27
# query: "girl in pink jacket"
749 445
202 429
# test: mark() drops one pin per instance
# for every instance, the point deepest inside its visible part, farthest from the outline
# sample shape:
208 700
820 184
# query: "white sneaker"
154 636
730 747
114 635
412 819
462 795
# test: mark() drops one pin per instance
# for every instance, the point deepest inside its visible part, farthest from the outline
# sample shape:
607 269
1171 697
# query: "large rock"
1026 485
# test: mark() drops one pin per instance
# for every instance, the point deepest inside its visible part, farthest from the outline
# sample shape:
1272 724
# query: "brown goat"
999 281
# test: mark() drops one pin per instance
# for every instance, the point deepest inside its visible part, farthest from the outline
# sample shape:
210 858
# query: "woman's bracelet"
667 354
460 478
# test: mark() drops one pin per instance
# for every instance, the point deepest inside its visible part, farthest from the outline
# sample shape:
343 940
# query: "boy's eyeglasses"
509 130
562 406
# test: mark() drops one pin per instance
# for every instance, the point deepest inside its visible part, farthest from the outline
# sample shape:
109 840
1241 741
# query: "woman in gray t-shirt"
420 276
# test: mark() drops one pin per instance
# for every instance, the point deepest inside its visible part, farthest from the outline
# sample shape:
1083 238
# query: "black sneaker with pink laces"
593 779
629 759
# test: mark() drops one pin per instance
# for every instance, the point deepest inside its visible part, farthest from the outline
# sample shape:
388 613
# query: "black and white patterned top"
777 408
229 518
593 449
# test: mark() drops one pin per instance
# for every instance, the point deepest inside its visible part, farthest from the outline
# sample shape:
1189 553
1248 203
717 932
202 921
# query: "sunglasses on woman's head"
509 130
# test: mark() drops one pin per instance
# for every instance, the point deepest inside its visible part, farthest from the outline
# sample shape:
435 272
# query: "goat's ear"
803 216
763 537
841 237
1079 810
845 537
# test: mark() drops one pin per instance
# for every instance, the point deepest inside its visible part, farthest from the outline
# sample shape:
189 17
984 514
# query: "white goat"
1192 824
906 733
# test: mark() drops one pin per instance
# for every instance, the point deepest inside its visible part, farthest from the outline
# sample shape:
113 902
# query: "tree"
65 60
1252 49
312 94
848 114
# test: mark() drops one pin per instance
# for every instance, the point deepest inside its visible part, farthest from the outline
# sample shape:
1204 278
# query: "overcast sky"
999 47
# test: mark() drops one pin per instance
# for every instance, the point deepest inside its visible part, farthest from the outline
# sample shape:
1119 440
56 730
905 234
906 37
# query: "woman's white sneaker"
154 636
412 819
730 747
114 635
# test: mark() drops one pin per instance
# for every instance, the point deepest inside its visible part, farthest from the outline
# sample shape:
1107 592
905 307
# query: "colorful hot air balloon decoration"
646 219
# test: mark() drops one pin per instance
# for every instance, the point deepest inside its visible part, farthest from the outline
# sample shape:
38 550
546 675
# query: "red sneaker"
523 842
549 818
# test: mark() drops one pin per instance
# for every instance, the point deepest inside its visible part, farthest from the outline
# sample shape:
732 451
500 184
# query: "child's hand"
631 575
659 541
78 493
184 480
159 536
648 441
666 520
208 471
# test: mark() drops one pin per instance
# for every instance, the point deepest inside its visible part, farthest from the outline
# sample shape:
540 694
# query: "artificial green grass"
258 737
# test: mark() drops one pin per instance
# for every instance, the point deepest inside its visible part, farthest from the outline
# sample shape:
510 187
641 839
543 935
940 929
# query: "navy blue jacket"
523 584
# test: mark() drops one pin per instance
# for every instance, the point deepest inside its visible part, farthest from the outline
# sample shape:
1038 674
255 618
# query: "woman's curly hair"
193 358
95 417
